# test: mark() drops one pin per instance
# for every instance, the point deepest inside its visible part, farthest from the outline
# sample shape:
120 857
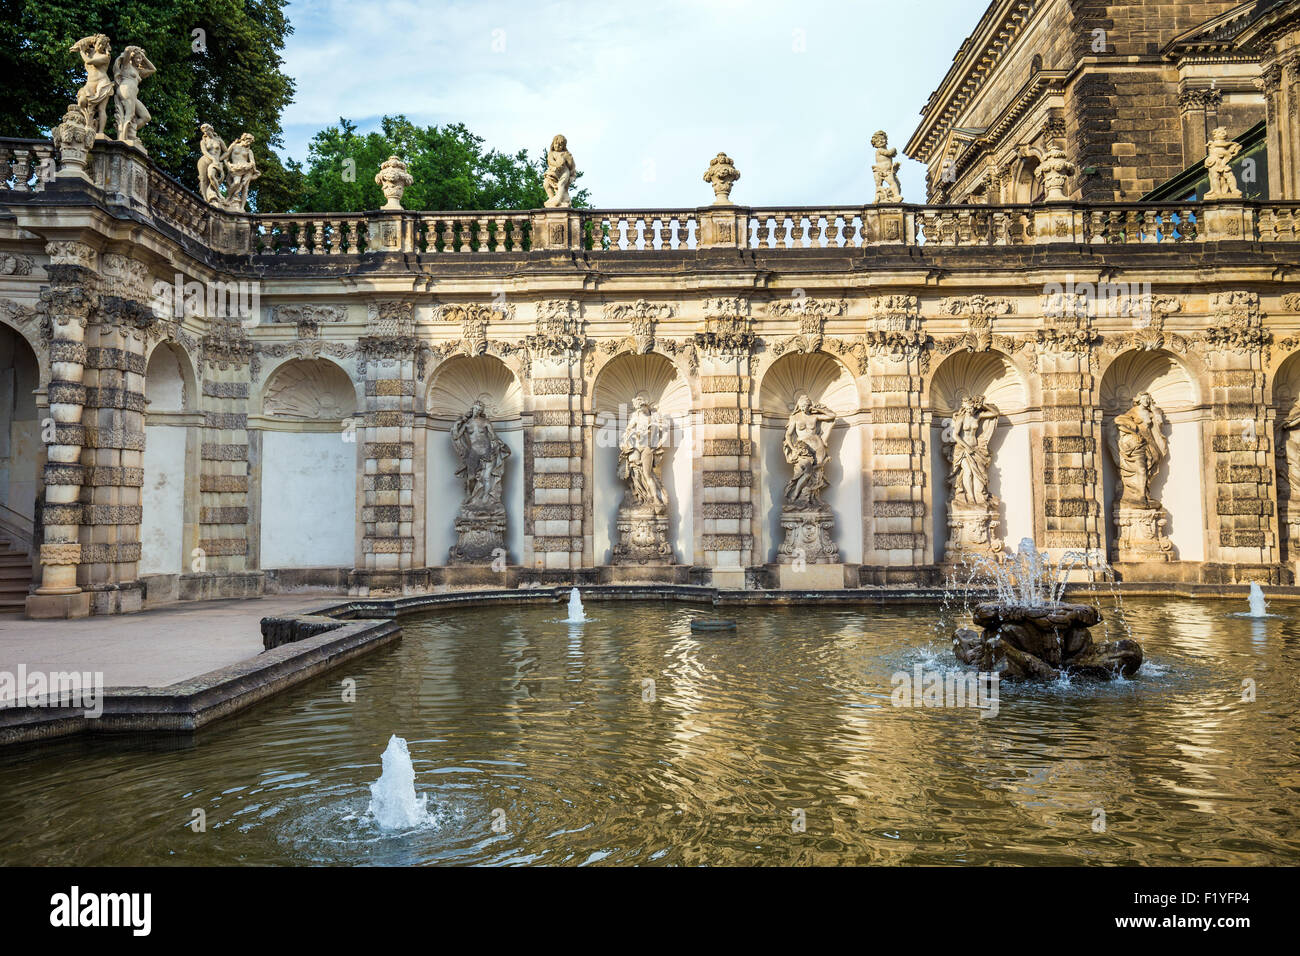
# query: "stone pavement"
152 648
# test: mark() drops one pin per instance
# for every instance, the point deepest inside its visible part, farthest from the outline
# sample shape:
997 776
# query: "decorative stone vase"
1039 643
74 138
393 179
808 536
721 175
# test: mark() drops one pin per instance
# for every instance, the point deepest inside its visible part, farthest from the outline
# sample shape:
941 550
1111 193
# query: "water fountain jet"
393 802
1029 632
1258 606
576 614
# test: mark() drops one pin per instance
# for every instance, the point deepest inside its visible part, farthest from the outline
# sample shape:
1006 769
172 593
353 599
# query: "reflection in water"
633 740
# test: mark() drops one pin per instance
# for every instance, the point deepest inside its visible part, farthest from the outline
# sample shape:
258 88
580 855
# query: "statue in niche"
482 458
560 174
973 425
640 454
888 189
1292 445
805 448
1137 445
93 97
130 69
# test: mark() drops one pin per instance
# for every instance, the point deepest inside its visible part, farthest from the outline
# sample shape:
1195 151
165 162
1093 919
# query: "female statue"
92 98
1137 445
129 69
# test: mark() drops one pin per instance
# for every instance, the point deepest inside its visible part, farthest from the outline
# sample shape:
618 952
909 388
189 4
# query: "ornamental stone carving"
393 179
1055 171
721 175
558 329
1239 325
1220 152
641 317
979 312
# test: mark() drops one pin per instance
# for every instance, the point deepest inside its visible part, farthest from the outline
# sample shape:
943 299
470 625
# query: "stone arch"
453 387
1286 407
678 360
1174 389
21 376
170 379
309 389
169 494
310 461
829 382
617 383
996 377
26 323
1022 184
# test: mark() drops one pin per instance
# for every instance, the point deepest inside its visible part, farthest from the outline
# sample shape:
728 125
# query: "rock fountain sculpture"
1029 633
560 174
972 509
807 521
643 513
481 520
1220 152
886 170
1136 443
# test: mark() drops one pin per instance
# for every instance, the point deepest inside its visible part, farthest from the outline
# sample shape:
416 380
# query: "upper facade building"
1131 92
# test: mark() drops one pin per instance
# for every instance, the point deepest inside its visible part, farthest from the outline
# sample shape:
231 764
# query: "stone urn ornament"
393 179
721 175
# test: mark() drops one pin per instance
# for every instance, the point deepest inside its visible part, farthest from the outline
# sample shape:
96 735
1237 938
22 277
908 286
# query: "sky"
646 92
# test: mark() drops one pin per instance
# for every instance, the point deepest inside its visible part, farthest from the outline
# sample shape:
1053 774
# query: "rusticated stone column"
556 536
1070 434
114 420
387 358
1244 528
898 361
725 350
69 302
220 567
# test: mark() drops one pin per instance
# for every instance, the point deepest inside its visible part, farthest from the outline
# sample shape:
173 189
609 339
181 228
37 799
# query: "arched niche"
314 390
618 384
825 380
454 386
1173 389
169 495
992 376
1286 403
310 458
1024 185
20 438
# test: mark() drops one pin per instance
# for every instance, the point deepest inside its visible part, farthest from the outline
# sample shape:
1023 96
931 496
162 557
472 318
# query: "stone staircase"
15 577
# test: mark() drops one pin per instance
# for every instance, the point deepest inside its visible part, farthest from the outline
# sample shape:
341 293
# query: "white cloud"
647 93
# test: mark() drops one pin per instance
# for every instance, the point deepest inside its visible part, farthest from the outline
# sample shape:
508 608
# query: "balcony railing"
26 164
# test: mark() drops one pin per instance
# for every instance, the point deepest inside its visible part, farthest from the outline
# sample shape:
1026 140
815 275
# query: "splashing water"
393 802
1258 607
576 614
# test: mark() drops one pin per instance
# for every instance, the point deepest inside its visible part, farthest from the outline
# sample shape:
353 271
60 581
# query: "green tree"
448 163
228 75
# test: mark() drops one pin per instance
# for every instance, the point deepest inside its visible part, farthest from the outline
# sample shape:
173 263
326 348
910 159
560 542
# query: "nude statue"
885 170
805 448
212 170
1137 444
482 458
93 97
972 430
560 173
242 170
640 454
130 69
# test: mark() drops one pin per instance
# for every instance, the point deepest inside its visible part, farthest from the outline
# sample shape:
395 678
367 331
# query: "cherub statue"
130 69
1221 151
886 170
560 174
92 98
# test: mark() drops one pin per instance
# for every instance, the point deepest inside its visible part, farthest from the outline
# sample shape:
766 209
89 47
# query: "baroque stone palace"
203 401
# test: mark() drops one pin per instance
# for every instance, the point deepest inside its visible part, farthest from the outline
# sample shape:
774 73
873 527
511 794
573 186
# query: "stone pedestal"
808 536
811 577
1140 535
480 536
642 536
41 607
972 531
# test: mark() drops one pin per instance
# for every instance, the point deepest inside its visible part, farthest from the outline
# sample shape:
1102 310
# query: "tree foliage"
229 75
450 167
